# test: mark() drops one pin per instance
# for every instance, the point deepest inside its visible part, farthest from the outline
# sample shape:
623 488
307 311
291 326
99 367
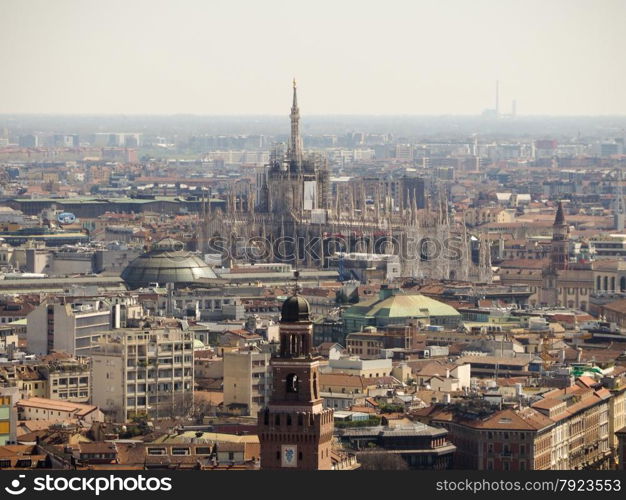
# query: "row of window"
506 466
71 394
506 435
70 381
200 450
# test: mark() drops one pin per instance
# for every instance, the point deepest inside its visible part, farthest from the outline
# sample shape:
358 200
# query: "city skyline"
238 58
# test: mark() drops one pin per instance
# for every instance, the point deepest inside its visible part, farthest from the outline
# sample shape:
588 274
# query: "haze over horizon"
421 58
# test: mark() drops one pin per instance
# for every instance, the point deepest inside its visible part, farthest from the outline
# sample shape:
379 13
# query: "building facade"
247 380
144 372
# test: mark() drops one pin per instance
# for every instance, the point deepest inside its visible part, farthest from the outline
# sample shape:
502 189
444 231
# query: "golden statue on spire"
294 82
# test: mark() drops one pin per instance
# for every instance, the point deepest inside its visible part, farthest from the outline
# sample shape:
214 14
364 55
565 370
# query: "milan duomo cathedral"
294 214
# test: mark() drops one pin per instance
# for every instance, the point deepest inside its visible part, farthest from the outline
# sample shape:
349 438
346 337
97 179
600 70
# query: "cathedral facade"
294 215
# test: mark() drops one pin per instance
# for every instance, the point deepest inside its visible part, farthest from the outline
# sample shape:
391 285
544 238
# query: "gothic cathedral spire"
295 141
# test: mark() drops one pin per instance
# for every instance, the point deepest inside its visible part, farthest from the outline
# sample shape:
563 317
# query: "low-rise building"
422 447
354 365
58 411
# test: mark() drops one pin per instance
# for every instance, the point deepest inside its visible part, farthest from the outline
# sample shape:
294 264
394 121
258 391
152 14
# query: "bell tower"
559 250
295 430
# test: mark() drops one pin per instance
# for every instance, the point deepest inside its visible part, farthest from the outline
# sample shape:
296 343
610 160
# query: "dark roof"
295 308
559 220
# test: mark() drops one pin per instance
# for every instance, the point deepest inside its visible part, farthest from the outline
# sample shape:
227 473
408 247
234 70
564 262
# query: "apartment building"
371 340
581 425
617 410
68 379
504 440
63 378
26 378
487 215
144 371
572 428
247 380
67 328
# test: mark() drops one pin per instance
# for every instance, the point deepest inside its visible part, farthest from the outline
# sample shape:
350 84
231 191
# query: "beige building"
488 215
247 381
609 276
580 436
58 411
68 379
617 414
353 365
144 372
29 382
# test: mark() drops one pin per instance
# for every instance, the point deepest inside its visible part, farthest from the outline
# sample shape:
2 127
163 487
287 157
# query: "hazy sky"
348 56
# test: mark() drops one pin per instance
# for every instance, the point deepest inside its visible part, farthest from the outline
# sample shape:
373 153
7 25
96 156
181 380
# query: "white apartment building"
143 372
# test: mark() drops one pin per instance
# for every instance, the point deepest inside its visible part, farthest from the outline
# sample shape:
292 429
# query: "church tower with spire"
559 250
295 430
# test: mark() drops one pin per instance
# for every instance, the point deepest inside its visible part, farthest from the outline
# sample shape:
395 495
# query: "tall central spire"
295 142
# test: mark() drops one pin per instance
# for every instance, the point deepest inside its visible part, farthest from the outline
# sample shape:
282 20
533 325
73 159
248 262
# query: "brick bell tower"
295 430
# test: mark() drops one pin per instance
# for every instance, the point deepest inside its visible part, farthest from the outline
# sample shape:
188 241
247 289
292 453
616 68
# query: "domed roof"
401 305
295 308
166 262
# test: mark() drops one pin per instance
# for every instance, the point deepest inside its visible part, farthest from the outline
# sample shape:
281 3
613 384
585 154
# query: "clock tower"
295 430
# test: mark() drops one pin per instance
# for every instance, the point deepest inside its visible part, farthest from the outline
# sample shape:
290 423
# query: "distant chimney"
497 98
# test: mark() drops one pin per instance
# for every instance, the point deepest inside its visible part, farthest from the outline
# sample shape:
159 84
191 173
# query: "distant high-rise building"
28 141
